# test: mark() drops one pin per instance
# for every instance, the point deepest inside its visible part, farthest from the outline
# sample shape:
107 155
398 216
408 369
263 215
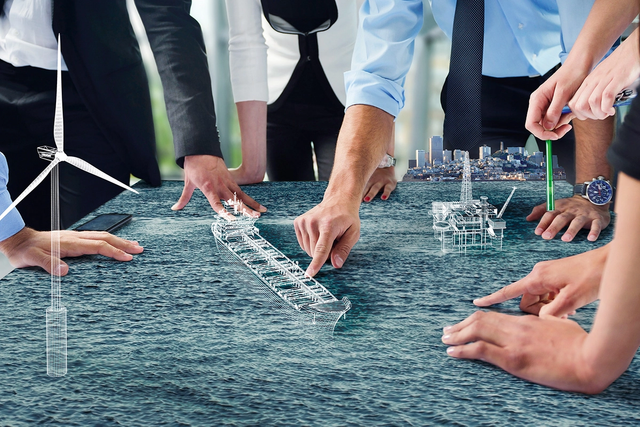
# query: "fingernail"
591 238
384 197
59 269
133 242
548 126
475 301
567 237
339 261
366 199
262 208
309 273
445 338
446 329
539 231
174 207
546 235
128 256
450 350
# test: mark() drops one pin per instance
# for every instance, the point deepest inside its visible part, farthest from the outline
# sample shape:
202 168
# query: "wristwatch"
598 191
387 161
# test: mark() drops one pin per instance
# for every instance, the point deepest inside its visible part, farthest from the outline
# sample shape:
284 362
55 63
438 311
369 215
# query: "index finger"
508 292
537 104
321 252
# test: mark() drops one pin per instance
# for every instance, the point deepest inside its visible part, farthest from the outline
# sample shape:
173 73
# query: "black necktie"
2 2
462 124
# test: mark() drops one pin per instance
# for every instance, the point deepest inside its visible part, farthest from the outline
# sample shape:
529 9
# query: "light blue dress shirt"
522 38
12 223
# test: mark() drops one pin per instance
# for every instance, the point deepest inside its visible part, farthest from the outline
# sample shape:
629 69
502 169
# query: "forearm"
607 20
615 336
362 143
252 118
593 138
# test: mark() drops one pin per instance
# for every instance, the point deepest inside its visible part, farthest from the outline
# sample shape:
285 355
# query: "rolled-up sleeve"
12 223
383 53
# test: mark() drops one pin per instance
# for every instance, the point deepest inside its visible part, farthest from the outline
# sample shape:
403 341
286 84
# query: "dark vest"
305 19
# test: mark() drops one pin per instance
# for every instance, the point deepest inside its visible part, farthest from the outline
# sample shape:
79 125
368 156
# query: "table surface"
181 336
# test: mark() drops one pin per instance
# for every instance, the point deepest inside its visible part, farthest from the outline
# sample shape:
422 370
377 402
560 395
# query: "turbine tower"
57 314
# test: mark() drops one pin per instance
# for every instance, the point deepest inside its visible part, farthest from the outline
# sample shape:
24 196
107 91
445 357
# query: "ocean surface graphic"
181 336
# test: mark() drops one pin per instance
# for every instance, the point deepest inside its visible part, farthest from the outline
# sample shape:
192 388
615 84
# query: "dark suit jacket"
104 61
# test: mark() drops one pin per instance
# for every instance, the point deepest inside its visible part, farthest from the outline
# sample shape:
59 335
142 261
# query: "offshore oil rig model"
236 235
468 223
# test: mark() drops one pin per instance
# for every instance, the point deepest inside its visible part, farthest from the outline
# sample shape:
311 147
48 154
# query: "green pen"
550 199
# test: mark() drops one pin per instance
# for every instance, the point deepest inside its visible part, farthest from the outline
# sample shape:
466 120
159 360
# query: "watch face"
599 192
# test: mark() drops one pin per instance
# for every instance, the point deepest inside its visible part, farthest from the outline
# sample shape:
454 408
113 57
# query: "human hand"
595 97
382 179
30 248
544 116
558 287
210 175
330 229
547 350
577 212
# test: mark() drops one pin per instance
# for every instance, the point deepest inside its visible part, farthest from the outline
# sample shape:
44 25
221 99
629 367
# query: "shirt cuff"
369 89
12 223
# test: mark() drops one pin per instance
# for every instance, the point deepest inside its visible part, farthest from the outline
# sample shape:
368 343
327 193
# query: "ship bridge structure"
469 223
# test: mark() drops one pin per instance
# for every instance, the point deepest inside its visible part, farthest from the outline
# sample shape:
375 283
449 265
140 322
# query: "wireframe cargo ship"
237 235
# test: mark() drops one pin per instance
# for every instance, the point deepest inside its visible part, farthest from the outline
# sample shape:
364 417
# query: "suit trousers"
291 130
27 106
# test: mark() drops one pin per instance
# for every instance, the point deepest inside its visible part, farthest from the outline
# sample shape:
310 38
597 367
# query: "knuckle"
321 248
540 269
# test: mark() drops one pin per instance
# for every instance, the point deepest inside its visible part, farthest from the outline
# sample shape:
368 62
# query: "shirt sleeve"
573 15
12 223
383 53
624 153
247 51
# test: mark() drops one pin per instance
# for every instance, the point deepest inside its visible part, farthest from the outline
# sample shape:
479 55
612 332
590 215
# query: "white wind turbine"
57 313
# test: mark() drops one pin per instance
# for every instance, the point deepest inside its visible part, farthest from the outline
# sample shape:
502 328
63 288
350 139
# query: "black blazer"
104 62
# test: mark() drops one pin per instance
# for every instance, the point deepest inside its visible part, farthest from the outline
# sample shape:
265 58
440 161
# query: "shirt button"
520 26
534 56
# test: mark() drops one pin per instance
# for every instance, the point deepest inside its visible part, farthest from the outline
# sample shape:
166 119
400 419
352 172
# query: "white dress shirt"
26 35
258 74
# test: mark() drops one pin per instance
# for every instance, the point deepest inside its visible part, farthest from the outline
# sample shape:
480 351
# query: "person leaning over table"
107 105
523 42
550 349
25 247
375 95
296 91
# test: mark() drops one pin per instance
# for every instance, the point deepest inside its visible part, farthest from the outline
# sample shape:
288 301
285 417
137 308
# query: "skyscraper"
515 150
458 154
485 151
420 158
435 150
446 156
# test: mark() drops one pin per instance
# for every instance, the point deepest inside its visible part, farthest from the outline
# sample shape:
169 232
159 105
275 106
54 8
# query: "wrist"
8 245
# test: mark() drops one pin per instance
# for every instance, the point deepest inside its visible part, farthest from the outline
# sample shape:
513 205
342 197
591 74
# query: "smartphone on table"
105 222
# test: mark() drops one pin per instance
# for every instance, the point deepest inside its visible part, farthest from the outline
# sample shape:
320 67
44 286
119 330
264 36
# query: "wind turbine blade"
87 167
58 122
30 188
